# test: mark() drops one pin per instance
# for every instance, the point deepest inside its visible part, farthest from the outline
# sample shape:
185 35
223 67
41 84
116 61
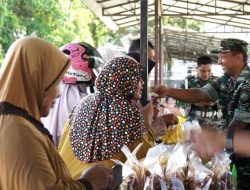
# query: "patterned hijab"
105 121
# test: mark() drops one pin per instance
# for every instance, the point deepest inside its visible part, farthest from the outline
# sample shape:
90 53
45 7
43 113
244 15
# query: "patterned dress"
101 123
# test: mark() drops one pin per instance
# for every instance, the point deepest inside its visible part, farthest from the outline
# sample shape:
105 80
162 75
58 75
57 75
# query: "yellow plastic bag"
174 133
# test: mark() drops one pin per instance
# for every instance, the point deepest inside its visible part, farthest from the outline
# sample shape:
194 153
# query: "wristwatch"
229 141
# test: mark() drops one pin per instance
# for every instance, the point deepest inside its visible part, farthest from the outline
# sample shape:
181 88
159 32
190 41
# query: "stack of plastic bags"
175 167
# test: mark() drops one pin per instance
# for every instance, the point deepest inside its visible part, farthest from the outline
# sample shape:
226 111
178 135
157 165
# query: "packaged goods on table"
169 167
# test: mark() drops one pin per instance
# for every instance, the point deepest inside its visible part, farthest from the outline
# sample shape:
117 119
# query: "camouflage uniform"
234 96
235 102
206 114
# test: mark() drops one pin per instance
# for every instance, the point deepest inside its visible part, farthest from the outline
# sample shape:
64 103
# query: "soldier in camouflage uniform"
234 96
203 111
233 92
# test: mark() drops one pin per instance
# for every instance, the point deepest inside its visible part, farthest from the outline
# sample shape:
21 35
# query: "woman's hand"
148 113
170 119
99 176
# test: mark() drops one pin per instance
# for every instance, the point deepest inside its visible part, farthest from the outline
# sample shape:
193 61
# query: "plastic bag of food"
155 182
134 173
175 173
137 180
190 127
198 176
222 178
157 158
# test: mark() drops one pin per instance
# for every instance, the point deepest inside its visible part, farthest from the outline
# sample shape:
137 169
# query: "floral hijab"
105 121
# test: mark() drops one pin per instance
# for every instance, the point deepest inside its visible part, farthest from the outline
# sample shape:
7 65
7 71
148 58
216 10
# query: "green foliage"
98 31
167 21
58 21
182 23
27 17
63 21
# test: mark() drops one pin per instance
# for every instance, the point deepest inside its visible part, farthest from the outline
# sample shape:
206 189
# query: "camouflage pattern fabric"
232 44
236 105
223 90
240 110
202 114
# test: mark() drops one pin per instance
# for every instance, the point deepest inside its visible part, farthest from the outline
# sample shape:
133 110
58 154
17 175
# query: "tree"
27 17
182 23
58 21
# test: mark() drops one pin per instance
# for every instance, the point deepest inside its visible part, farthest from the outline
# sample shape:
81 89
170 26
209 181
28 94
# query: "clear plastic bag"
222 178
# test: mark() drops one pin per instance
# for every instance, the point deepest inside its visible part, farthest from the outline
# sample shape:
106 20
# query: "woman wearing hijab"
29 80
77 83
102 123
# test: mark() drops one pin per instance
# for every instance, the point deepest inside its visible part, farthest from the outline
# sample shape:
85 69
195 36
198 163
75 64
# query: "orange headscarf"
28 71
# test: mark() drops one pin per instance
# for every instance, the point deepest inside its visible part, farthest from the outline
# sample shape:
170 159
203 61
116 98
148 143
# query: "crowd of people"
29 78
233 92
62 123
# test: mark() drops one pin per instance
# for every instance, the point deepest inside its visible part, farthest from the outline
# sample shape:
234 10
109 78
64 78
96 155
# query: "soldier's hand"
208 142
161 91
